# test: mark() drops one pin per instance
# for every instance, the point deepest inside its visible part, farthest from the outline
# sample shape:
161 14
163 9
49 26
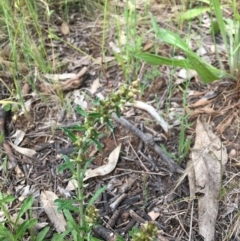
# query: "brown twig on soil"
173 166
112 221
136 217
117 202
129 226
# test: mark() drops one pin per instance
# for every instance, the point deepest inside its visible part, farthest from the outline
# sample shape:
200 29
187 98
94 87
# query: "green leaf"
118 111
5 234
96 195
109 124
214 28
77 128
207 73
80 111
42 234
1 137
67 165
66 204
61 236
6 199
219 16
86 165
27 224
94 115
26 205
7 107
192 13
70 135
97 143
72 224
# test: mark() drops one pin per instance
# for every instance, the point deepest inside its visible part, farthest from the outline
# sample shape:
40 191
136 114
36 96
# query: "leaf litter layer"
141 187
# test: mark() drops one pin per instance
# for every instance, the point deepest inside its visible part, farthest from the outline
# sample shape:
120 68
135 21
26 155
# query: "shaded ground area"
141 187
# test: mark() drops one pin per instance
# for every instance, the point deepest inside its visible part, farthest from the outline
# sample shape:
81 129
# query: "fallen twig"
173 166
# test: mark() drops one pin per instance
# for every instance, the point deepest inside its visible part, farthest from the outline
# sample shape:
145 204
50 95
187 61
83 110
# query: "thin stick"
173 166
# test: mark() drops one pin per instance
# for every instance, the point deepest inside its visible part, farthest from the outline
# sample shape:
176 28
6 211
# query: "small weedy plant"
147 232
89 135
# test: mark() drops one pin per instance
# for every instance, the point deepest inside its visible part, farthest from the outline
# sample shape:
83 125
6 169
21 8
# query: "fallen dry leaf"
73 83
25 151
222 126
57 77
204 110
201 102
105 169
47 200
19 135
95 86
72 185
208 159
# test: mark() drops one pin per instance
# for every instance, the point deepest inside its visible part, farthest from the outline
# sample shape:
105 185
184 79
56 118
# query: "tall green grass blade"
170 37
206 72
158 60
218 12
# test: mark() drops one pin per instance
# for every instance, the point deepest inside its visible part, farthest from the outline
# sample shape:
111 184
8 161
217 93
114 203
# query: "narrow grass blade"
192 13
218 12
96 195
158 60
170 37
27 204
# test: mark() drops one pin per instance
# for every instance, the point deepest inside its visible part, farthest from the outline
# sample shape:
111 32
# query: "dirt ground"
147 188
